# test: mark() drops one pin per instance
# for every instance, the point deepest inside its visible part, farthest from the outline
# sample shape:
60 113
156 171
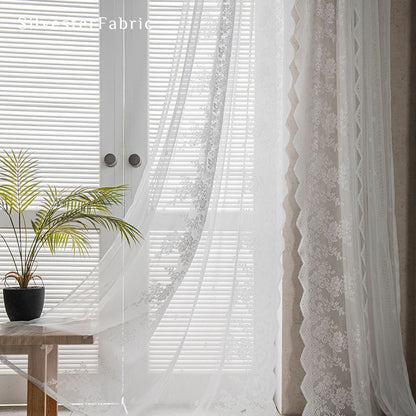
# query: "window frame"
13 386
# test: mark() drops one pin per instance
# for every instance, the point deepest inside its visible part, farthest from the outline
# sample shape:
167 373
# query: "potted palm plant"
63 219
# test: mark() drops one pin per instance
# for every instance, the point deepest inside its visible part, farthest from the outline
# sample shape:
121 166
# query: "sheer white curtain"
353 354
193 202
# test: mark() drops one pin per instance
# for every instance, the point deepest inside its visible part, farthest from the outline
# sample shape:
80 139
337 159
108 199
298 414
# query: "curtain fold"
186 323
353 355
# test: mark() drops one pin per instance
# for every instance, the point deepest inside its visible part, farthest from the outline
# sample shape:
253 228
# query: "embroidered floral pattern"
199 189
327 385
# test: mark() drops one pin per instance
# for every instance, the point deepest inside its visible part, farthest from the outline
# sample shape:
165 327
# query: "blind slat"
49 103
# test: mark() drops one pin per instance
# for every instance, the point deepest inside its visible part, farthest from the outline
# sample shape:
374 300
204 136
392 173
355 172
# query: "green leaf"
67 216
19 183
68 233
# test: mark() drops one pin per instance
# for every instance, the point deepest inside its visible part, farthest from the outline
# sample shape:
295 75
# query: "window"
50 104
56 84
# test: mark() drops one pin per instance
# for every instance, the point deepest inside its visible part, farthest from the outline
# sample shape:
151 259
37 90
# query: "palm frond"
64 219
68 234
85 221
80 200
49 206
19 183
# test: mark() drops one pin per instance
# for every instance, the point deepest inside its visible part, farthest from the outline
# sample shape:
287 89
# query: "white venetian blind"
224 262
49 104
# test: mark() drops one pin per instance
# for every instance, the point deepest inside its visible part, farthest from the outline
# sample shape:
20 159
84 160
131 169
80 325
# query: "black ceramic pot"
23 304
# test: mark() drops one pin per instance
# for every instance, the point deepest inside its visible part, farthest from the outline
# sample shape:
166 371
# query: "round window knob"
110 160
135 160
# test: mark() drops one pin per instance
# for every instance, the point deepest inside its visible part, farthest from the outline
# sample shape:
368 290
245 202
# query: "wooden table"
41 346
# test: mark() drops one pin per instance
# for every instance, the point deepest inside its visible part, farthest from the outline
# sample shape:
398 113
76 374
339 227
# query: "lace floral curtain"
213 184
353 355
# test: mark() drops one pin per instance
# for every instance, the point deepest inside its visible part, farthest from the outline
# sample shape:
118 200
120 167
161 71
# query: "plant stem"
19 209
32 256
10 251
14 232
24 222
20 243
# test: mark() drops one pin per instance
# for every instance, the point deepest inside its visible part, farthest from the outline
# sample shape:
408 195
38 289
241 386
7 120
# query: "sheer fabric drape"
195 213
353 355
